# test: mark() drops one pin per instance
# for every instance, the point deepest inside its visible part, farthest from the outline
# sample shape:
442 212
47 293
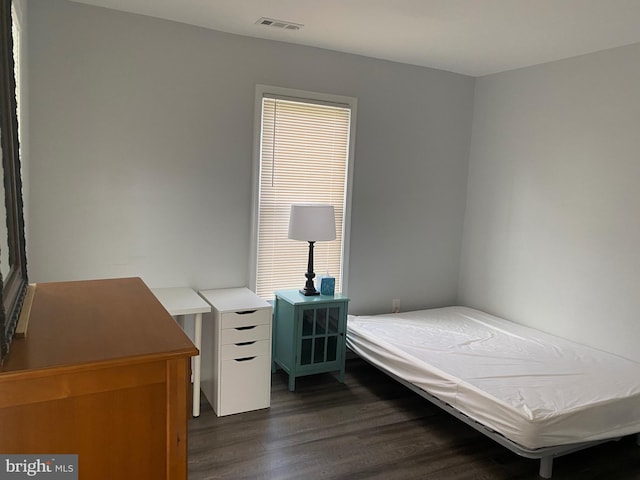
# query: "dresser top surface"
88 322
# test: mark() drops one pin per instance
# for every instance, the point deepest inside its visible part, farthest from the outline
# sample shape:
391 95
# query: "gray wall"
140 164
552 227
141 155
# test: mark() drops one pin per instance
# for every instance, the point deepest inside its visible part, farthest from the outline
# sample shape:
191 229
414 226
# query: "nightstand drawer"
246 318
244 334
245 350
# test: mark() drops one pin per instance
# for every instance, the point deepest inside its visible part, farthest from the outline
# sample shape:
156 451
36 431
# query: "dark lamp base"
309 293
309 289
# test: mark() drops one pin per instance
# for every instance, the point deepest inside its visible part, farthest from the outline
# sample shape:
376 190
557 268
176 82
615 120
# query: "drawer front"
246 319
245 334
246 350
245 385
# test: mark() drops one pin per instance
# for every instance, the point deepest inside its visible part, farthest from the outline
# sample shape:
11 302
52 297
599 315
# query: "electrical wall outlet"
395 305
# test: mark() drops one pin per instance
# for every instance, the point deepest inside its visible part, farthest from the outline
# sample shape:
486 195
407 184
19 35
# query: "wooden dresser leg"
178 386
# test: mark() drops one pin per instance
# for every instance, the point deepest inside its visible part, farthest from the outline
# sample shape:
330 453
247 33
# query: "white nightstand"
236 354
184 301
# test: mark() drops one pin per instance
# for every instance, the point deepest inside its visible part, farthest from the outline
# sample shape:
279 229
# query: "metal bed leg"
546 467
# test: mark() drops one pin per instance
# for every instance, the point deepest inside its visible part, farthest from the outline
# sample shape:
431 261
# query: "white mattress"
535 389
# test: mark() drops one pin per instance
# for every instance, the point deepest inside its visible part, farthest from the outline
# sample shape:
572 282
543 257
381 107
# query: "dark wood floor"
371 427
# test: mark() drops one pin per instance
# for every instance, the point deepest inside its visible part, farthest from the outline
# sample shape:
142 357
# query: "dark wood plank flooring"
371 427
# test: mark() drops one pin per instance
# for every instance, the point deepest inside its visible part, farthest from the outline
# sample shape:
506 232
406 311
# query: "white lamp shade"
312 222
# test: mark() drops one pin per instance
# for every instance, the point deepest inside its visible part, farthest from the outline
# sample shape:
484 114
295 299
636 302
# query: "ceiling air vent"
270 22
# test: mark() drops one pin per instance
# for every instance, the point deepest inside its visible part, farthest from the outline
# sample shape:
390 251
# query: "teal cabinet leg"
292 383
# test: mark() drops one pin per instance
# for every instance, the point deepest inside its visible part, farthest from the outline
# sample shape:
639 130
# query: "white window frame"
302 95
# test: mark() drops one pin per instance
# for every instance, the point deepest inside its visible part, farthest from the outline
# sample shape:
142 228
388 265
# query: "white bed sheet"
535 389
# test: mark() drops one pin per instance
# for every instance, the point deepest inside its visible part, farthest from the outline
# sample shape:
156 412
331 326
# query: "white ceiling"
474 37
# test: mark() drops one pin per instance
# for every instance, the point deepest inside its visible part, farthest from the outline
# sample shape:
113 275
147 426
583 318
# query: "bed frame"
544 454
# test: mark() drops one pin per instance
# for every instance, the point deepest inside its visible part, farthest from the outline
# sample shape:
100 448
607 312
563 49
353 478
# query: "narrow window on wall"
305 150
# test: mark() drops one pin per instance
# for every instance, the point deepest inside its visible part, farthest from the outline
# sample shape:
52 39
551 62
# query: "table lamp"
311 222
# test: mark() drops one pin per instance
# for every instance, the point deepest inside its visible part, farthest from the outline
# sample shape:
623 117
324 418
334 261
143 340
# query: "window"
304 149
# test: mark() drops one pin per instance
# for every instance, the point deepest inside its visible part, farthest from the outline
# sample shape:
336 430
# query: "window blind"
304 151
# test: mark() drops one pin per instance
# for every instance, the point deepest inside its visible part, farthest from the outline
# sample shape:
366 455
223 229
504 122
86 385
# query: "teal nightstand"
309 334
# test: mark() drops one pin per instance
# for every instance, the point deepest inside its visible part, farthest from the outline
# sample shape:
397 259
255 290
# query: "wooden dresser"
104 373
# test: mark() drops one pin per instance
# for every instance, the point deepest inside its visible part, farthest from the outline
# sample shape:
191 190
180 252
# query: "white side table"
184 301
236 357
